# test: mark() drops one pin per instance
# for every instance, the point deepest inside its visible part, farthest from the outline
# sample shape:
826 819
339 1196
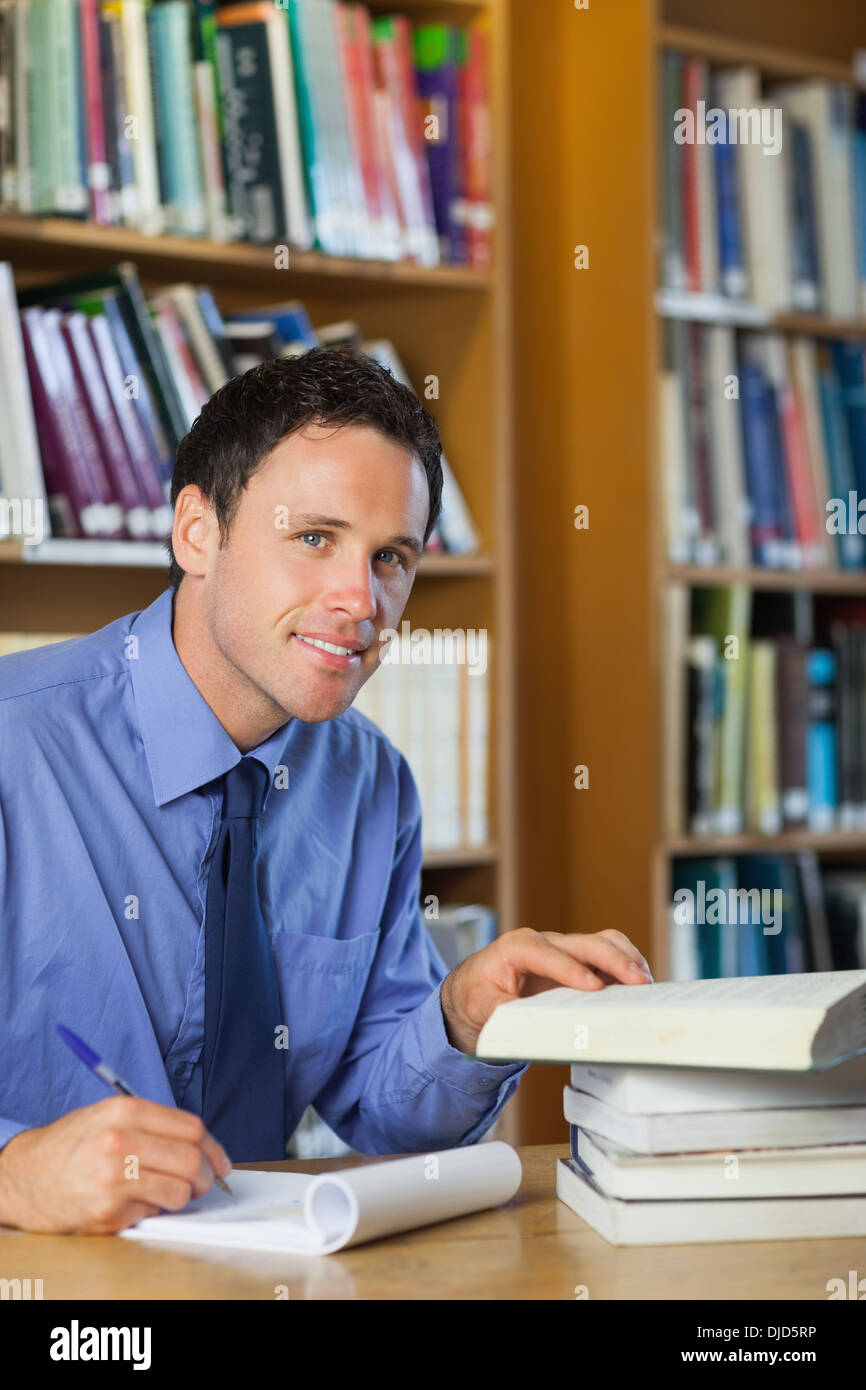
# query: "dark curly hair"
250 414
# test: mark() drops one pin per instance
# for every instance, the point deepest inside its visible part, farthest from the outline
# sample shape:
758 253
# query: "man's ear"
191 535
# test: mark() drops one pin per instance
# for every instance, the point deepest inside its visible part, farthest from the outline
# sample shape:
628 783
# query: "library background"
619 249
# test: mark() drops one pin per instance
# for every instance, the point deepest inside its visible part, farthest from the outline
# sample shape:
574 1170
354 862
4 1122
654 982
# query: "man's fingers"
162 1121
173 1158
570 960
620 939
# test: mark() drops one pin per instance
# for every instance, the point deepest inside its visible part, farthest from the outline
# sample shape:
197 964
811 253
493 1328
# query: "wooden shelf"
36 241
809 581
775 62
717 308
467 857
787 841
151 555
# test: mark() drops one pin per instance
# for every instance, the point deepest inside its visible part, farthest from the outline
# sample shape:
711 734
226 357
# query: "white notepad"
303 1214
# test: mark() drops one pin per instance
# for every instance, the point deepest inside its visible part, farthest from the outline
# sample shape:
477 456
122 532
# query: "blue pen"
106 1073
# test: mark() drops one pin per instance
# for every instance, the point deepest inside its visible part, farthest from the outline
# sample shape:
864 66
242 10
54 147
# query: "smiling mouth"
332 654
328 646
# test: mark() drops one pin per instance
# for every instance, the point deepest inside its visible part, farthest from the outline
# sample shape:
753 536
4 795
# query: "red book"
98 171
478 151
356 56
799 476
75 488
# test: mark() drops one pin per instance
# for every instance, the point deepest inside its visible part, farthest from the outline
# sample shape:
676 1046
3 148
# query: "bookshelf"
448 320
586 153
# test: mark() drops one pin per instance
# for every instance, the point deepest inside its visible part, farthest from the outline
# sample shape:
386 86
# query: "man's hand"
525 962
106 1166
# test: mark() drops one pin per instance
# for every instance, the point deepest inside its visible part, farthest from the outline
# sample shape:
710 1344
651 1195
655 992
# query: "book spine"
180 172
766 533
479 155
137 447
254 180
137 388
120 477
98 173
70 192
75 510
437 92
792 704
141 330
674 264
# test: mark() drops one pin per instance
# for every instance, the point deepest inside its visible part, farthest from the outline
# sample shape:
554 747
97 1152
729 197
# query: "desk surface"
533 1247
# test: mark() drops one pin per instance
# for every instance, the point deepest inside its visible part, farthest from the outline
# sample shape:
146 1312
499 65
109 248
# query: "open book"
768 1022
302 1214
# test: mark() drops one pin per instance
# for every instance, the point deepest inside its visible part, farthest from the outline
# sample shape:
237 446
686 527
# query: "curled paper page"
297 1213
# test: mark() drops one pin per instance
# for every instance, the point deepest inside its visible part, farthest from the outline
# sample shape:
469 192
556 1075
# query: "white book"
301 1214
696 1222
150 215
699 1130
20 462
477 745
822 1170
419 751
444 735
678 1090
679 514
780 1022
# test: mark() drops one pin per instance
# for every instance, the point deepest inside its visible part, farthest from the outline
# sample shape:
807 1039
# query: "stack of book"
718 1110
763 188
102 382
301 124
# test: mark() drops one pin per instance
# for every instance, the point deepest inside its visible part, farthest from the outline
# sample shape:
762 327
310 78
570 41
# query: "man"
210 864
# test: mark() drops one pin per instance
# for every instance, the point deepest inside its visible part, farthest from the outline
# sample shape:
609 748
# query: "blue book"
848 361
291 321
843 480
759 449
170 27
859 156
806 273
821 757
731 259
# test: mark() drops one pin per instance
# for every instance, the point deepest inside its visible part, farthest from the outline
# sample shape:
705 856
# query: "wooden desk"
533 1248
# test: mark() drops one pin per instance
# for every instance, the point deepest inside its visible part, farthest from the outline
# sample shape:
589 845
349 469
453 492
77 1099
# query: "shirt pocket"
321 982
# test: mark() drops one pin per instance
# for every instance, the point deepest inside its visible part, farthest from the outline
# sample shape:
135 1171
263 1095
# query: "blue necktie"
243 1076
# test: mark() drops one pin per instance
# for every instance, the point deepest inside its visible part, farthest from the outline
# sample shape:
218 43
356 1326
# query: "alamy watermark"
726 907
741 125
23 517
443 646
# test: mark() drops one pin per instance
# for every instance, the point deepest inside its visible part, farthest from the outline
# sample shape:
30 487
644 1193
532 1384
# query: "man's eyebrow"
312 519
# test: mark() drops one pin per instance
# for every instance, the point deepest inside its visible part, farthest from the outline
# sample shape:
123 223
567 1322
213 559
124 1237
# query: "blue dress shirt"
108 818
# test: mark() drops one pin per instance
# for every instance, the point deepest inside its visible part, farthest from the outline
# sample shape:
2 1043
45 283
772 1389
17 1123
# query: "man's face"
289 574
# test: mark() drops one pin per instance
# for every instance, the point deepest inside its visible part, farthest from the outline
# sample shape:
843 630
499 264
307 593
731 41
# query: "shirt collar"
184 742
